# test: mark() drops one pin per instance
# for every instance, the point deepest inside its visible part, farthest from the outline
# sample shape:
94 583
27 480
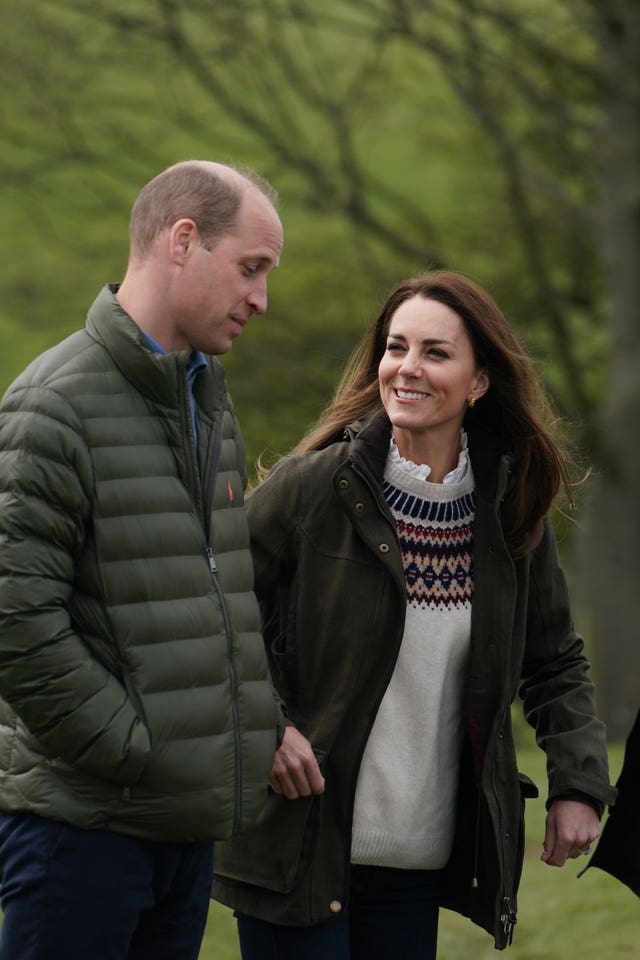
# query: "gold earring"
471 401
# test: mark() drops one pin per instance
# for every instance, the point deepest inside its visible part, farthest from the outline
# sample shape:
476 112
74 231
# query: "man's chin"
219 346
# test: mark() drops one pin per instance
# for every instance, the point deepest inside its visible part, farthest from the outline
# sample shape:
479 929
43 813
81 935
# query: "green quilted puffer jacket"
135 691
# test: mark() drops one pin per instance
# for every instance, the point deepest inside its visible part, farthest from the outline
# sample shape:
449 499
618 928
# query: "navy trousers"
391 913
70 894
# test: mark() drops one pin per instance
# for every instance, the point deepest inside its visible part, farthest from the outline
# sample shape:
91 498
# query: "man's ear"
182 236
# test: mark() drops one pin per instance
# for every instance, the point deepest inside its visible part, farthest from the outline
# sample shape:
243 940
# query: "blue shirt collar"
197 360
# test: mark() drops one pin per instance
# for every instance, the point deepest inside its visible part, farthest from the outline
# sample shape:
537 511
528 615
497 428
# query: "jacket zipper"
233 681
188 444
508 918
205 497
188 440
209 487
476 846
210 479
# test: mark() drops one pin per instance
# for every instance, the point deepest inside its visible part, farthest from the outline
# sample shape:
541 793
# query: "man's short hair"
193 190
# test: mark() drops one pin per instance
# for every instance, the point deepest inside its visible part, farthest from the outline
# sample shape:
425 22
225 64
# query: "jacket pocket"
270 853
528 791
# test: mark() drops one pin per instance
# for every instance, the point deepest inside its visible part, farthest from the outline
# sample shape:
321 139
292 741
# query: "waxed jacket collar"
492 465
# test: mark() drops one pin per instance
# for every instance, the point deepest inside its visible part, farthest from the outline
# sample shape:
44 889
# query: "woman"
410 588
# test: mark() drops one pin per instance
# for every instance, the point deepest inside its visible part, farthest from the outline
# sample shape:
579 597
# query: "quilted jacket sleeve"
71 703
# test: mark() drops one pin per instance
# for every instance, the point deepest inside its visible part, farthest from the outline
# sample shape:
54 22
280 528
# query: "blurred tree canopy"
497 137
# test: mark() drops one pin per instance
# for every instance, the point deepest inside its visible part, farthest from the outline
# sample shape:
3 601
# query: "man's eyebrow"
263 259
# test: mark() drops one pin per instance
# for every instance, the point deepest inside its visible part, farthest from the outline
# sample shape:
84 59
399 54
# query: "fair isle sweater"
405 801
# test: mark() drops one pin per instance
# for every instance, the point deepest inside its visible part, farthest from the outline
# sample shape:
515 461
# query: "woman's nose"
410 365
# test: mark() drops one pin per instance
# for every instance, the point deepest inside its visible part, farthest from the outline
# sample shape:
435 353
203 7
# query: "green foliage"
364 122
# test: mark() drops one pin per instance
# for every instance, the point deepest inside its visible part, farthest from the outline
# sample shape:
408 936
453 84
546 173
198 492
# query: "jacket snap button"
335 906
343 484
359 507
384 548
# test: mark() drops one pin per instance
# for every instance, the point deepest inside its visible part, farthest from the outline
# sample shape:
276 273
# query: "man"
137 719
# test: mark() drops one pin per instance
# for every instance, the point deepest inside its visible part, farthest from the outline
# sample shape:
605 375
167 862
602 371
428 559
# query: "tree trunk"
609 560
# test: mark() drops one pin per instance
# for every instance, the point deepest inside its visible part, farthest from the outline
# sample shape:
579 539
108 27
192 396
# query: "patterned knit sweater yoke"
405 799
434 523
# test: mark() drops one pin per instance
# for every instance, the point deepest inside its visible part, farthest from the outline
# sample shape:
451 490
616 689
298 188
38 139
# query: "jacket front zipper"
233 680
508 919
203 496
213 456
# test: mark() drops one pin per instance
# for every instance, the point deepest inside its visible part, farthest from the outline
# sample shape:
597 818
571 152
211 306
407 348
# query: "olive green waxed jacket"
331 585
135 689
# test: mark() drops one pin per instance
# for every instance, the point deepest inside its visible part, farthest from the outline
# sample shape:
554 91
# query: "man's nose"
257 299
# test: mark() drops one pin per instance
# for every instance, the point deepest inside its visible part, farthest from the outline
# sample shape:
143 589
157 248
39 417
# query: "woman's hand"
570 830
295 772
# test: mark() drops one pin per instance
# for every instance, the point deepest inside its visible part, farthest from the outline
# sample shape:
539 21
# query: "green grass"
560 917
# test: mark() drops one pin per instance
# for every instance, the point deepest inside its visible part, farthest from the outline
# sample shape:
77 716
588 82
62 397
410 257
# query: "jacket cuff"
579 797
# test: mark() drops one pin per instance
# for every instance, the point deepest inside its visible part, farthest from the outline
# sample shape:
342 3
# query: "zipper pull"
474 879
508 919
212 560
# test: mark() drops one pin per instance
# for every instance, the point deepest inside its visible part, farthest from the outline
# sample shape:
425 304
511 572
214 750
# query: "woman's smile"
409 394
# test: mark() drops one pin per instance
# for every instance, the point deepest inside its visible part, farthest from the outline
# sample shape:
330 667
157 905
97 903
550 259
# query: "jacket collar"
370 444
492 465
154 375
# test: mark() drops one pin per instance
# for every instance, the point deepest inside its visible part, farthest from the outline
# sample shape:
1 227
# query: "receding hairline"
244 178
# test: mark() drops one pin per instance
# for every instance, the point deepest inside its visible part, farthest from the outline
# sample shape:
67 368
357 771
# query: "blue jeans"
70 894
391 913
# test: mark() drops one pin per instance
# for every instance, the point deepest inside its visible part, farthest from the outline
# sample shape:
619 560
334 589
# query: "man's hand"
295 772
570 830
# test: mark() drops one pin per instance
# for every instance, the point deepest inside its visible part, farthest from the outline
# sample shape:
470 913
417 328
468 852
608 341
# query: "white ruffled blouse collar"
422 471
